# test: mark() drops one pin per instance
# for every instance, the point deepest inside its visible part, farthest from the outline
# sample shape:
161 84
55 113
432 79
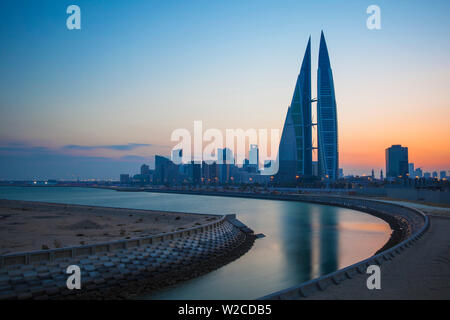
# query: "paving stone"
85 261
30 274
47 283
41 269
17 280
14 273
89 268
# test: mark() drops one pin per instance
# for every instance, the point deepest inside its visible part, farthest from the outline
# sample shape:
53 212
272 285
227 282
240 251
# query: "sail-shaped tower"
327 135
295 150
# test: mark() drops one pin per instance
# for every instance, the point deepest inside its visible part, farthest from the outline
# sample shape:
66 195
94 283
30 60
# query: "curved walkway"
421 272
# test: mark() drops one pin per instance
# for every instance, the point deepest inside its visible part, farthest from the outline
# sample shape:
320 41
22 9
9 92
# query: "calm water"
303 241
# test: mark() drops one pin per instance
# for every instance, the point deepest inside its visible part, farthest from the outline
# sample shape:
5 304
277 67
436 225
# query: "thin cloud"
117 147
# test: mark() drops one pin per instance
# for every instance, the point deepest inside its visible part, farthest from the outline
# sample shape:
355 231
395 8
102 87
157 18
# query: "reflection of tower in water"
311 241
328 240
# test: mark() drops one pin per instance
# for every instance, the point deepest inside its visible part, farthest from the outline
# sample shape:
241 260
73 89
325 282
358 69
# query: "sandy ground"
420 272
34 226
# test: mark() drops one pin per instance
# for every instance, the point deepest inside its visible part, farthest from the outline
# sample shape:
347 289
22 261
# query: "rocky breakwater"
127 268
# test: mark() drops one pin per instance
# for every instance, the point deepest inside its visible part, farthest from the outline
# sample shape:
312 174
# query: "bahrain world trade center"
296 148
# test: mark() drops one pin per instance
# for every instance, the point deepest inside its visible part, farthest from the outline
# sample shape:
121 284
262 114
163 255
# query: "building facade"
295 150
327 131
396 161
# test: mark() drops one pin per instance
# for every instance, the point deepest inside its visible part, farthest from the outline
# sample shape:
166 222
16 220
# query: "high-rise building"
411 170
124 178
253 155
225 161
327 137
418 173
396 161
442 174
145 169
295 150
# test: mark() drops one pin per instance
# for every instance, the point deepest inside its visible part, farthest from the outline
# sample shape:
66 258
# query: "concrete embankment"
122 269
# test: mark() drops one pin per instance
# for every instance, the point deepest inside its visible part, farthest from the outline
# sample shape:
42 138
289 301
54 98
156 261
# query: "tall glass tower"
328 157
295 151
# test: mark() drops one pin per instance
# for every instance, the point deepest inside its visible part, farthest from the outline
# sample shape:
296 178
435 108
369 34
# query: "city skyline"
105 98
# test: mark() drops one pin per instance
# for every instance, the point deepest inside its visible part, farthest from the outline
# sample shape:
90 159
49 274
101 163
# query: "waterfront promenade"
420 272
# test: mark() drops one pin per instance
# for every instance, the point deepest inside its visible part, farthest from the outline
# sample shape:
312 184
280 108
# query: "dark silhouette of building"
124 178
396 161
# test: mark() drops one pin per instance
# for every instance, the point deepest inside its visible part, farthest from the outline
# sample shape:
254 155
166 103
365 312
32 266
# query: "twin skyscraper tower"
296 147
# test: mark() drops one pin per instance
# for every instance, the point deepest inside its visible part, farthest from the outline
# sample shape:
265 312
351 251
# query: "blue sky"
137 70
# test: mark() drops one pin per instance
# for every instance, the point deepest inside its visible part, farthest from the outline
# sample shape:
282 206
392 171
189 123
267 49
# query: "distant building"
381 175
225 159
124 178
435 174
427 175
418 173
210 173
396 161
145 169
253 155
411 170
341 173
166 172
442 175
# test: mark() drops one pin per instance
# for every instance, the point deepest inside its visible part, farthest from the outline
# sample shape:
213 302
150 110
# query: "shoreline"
36 225
126 268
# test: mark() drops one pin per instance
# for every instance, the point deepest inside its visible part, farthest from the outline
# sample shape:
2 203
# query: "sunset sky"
96 102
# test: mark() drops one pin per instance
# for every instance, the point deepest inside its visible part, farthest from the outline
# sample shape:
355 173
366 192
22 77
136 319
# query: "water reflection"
310 241
328 239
